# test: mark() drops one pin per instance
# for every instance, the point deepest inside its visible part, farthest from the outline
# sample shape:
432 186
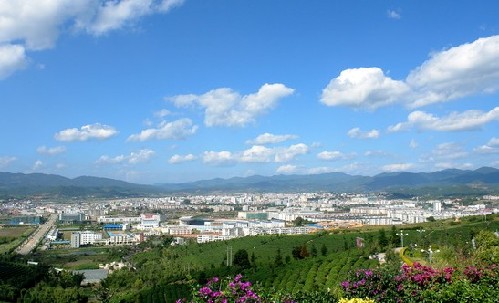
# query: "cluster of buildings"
130 221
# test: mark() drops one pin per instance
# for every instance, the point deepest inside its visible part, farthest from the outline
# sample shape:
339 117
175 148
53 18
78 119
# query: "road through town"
27 246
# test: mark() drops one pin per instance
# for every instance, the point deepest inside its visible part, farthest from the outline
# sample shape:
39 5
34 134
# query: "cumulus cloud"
91 131
363 88
492 147
332 155
268 138
35 25
218 158
175 130
288 154
6 160
455 121
181 158
225 107
142 155
258 153
358 134
44 150
286 169
397 167
12 58
457 72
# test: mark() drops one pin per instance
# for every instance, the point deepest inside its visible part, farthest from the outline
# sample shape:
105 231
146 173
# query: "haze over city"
152 91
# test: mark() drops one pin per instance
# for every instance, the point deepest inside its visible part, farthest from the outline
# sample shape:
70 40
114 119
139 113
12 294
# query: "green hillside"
310 267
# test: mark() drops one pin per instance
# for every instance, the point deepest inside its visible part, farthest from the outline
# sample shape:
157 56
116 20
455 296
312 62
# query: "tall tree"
278 258
382 239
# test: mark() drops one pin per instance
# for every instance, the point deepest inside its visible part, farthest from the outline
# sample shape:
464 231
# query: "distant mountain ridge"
485 179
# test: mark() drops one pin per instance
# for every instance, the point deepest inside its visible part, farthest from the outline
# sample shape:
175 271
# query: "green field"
12 236
77 258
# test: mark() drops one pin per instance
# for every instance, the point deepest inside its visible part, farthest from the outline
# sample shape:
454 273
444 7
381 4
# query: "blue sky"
153 91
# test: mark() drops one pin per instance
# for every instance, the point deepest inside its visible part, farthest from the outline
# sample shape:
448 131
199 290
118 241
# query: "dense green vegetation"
304 265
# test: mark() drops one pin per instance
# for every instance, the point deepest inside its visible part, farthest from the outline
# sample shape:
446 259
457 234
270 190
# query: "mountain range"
445 182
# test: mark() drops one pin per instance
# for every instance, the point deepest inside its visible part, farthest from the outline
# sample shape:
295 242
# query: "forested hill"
446 182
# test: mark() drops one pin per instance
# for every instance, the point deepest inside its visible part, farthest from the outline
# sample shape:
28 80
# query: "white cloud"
225 107
320 170
6 160
468 69
393 14
258 153
36 24
175 130
218 158
50 151
467 120
363 88
376 153
162 113
142 155
181 158
457 72
113 15
286 169
492 147
397 167
288 154
37 165
12 58
332 155
267 138
358 134
86 132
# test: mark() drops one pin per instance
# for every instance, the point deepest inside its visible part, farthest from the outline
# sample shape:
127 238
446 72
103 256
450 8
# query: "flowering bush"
219 290
423 283
229 290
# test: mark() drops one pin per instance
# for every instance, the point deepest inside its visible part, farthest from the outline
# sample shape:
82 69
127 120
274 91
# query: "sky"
169 91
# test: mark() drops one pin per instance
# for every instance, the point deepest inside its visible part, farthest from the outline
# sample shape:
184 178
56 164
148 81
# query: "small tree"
278 258
241 259
313 251
324 249
382 239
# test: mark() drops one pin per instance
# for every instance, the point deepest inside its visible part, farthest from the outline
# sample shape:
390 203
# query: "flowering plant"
218 290
419 283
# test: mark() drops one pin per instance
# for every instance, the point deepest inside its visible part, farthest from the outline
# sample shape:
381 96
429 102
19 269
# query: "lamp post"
401 234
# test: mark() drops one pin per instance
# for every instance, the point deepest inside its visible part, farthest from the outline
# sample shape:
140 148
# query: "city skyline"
151 91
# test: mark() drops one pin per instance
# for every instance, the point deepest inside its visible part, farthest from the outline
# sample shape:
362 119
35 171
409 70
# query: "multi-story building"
84 238
148 221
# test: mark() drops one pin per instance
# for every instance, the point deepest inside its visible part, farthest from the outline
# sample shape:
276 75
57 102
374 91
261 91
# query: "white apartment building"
84 238
149 221
115 220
